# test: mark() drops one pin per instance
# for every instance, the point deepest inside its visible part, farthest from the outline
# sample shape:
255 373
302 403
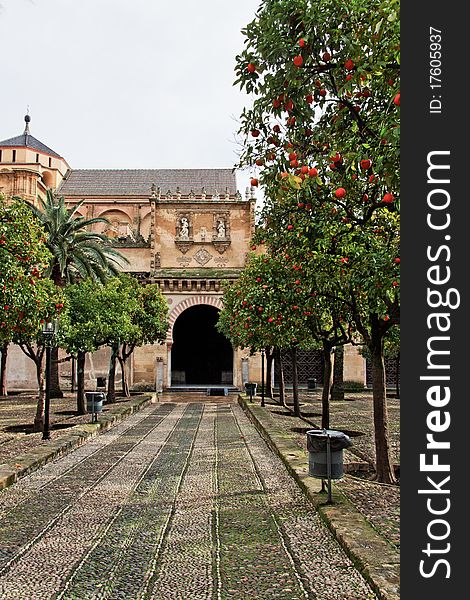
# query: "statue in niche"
221 231
184 227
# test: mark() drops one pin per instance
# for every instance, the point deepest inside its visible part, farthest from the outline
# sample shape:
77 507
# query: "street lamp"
262 376
49 331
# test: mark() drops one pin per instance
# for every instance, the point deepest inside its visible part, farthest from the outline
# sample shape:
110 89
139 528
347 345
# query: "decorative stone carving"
202 256
184 246
184 228
184 239
221 233
184 261
221 245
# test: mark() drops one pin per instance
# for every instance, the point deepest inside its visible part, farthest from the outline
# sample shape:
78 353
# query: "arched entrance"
200 355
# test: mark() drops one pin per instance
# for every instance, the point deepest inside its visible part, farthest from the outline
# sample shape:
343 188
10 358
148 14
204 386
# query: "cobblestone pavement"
17 416
380 504
180 501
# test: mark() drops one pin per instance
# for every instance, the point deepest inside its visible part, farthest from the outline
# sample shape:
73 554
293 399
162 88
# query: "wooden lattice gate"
309 366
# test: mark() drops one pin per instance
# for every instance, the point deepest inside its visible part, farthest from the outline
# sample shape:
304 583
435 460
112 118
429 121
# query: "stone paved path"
180 501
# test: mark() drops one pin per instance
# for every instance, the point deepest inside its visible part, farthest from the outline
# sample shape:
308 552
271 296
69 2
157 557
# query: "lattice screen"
390 372
309 366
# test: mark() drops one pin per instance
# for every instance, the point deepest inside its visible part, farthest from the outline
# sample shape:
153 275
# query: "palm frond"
78 252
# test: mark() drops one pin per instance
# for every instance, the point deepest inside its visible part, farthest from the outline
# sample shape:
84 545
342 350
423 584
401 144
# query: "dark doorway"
200 354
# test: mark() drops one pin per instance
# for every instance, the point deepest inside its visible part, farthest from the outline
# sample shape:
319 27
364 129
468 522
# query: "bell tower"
28 167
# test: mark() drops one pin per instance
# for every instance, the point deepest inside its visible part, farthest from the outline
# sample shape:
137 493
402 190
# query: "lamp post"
262 376
48 332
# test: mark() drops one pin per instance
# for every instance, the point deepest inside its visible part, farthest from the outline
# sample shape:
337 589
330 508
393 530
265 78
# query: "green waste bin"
250 389
317 446
94 403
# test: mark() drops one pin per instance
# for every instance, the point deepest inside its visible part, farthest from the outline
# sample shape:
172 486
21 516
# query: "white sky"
125 83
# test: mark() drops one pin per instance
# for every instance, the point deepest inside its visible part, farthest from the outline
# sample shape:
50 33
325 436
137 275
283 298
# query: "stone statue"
184 227
220 228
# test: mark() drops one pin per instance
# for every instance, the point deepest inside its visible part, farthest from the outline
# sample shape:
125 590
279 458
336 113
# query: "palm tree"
77 252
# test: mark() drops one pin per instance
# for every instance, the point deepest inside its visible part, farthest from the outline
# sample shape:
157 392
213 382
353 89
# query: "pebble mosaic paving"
180 501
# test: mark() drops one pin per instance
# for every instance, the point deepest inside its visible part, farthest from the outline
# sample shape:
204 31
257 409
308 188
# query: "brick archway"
182 306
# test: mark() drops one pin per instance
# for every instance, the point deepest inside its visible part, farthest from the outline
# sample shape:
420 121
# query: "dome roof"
26 140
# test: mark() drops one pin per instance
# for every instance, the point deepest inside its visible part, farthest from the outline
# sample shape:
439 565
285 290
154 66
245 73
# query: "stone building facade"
188 230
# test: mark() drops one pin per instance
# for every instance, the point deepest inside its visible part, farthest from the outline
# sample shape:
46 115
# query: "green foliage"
267 307
353 386
152 316
327 146
26 298
340 101
323 130
391 344
116 312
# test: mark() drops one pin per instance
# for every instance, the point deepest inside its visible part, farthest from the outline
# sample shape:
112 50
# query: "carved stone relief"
202 256
221 232
184 233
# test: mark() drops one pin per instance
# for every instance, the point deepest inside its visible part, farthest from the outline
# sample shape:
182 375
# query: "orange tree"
100 314
323 131
23 259
151 319
120 313
27 299
264 309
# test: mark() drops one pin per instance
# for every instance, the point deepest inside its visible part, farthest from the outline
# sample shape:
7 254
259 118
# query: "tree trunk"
3 369
384 468
397 374
337 389
81 405
39 417
269 372
111 395
72 379
36 356
295 383
56 392
282 386
325 399
124 378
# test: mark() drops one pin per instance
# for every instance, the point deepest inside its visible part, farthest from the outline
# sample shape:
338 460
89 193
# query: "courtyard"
184 499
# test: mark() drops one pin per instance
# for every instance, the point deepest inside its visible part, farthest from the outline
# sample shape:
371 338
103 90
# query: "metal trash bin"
94 402
250 389
311 384
317 446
